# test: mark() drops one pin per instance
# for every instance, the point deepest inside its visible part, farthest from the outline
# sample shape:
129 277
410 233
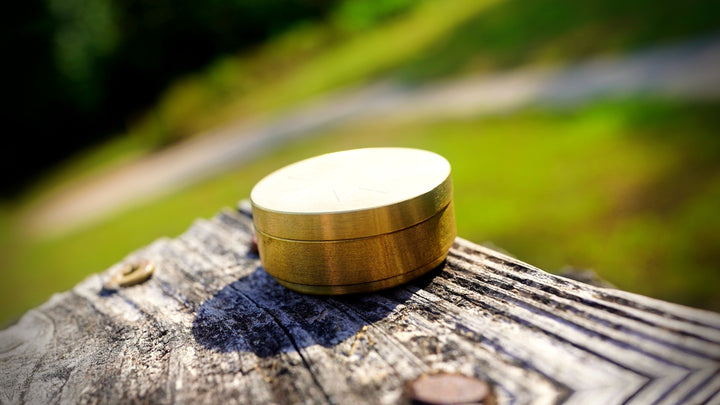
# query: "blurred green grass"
432 39
630 189
522 33
435 39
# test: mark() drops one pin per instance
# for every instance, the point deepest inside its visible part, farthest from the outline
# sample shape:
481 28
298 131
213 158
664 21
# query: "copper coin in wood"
447 389
355 221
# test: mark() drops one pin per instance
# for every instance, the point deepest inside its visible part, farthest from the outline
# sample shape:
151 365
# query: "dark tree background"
75 70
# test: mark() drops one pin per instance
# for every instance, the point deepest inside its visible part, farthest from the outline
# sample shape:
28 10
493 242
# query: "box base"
363 287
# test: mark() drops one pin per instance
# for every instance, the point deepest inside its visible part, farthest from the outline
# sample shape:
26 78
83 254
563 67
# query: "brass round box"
355 221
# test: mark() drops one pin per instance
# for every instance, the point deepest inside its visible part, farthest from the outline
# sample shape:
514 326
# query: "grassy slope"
521 32
437 38
611 187
300 64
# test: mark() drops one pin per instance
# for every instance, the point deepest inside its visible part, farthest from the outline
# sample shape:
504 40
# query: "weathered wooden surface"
211 326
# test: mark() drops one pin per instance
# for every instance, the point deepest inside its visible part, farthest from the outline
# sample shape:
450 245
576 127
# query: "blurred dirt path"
689 70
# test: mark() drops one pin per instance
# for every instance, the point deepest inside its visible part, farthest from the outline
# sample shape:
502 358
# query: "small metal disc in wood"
355 221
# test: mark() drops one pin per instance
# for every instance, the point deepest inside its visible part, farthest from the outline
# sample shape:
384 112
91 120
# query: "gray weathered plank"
211 326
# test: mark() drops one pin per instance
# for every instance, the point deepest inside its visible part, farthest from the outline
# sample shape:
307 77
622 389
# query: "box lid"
352 194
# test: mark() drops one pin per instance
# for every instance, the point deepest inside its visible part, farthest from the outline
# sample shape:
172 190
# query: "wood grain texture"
211 326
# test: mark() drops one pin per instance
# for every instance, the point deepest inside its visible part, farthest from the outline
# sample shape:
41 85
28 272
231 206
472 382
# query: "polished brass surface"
130 274
363 287
362 260
355 221
352 194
